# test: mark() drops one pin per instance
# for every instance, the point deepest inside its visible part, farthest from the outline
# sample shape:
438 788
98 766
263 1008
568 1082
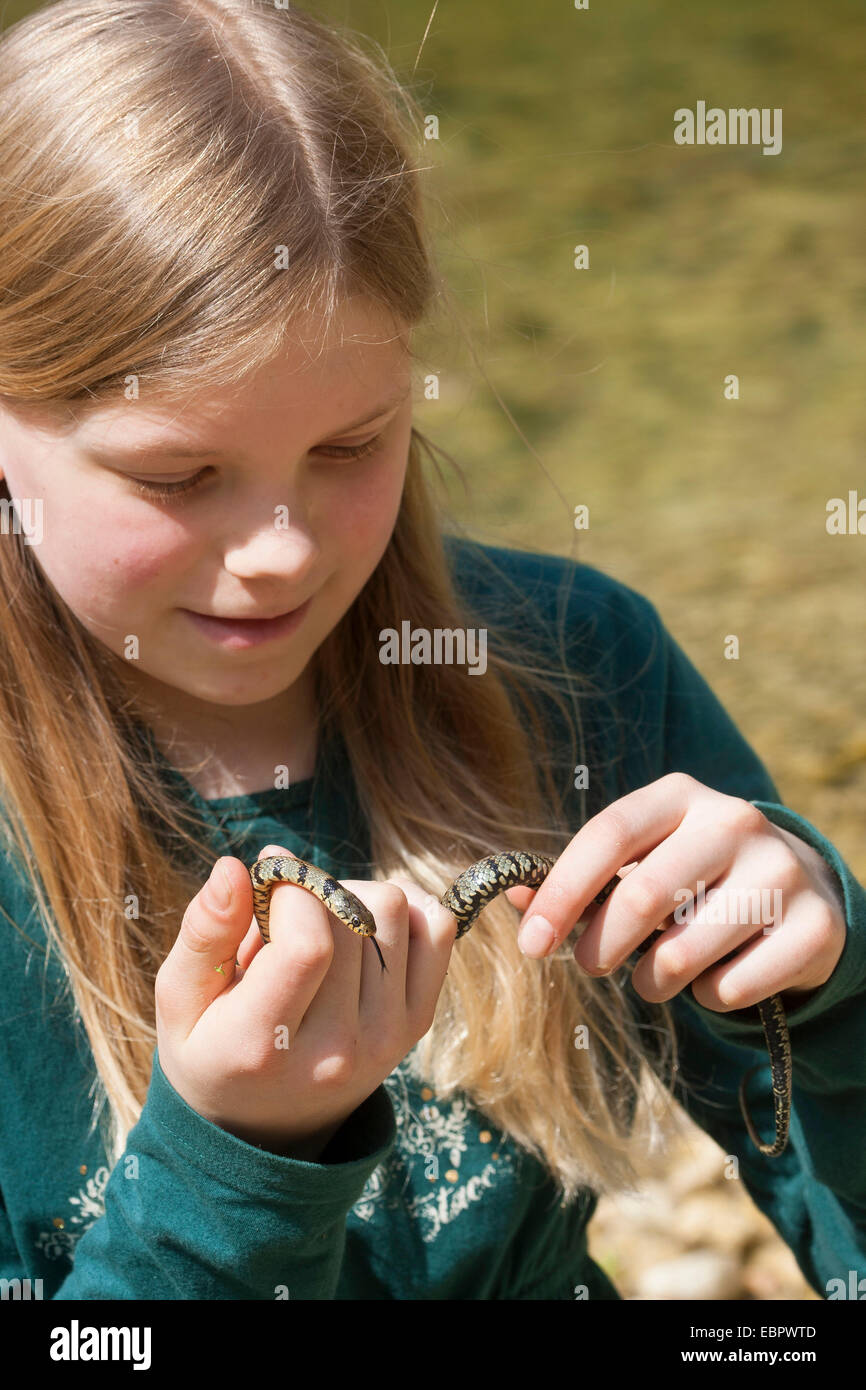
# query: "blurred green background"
606 386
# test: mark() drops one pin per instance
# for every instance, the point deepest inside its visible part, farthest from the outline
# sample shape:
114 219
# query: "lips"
254 618
236 634
248 617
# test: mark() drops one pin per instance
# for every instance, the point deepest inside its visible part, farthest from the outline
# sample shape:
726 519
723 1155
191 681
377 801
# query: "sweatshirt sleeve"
193 1212
815 1191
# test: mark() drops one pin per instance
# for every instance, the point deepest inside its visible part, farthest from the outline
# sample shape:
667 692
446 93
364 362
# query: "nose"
274 547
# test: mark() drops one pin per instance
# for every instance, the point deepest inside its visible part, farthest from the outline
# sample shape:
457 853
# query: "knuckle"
680 781
614 829
252 1058
194 933
673 959
821 930
781 867
162 987
312 951
643 897
337 1069
742 817
392 900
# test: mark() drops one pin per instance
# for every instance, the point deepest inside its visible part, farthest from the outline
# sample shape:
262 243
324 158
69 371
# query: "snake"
468 895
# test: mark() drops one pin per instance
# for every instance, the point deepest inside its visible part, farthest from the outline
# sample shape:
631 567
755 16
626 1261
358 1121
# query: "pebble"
699 1274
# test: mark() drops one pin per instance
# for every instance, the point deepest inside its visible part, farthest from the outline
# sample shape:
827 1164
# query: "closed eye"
353 451
163 492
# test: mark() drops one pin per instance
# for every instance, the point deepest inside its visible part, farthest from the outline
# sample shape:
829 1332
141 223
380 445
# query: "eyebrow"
136 453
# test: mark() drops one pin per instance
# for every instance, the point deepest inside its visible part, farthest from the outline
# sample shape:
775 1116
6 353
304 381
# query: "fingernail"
536 937
219 888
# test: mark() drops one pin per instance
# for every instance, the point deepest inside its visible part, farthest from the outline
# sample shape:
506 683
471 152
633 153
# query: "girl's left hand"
688 832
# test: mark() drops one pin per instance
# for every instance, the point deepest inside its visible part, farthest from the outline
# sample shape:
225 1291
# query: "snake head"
352 911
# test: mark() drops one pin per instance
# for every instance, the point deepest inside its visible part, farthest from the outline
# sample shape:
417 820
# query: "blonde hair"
138 234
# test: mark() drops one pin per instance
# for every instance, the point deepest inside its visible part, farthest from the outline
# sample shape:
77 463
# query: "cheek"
144 557
103 555
362 507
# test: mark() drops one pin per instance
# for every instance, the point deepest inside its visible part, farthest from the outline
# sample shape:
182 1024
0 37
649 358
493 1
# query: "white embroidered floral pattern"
88 1205
414 1177
444 1129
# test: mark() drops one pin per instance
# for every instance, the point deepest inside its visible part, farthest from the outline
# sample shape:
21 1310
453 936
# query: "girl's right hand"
281 1049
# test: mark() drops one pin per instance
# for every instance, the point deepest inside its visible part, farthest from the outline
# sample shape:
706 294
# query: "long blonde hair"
138 232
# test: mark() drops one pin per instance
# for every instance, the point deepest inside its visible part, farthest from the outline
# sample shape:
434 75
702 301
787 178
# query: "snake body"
468 895
279 868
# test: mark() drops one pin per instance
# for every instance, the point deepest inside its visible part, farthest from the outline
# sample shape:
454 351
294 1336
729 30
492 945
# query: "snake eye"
356 921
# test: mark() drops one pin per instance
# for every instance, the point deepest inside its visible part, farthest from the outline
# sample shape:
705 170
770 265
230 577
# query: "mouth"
236 634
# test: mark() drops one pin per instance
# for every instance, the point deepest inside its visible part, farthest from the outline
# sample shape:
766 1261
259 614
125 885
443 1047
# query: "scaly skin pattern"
468 895
775 1025
266 873
513 868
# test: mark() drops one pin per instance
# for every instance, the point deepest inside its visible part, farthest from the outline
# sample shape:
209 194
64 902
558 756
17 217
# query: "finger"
431 937
520 897
661 887
716 920
769 964
383 990
250 946
201 963
254 941
335 1005
286 973
622 832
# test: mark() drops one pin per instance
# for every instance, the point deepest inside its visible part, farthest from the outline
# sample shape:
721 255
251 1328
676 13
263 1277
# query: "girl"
211 276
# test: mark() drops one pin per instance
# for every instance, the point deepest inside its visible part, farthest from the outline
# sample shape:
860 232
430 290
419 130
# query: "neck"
233 750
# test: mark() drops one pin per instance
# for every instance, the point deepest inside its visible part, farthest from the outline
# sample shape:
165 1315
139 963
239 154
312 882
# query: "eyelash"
164 492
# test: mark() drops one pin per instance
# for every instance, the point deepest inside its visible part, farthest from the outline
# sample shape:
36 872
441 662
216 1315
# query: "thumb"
201 963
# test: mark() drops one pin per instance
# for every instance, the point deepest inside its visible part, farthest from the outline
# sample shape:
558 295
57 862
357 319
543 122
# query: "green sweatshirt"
416 1196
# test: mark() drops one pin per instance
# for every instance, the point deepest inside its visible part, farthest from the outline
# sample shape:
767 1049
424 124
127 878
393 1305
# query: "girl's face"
278 516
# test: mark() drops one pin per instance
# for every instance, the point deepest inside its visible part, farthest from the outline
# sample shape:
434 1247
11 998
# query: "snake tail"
775 1025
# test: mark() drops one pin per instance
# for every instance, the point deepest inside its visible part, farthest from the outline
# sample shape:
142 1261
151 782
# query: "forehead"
310 384
318 382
